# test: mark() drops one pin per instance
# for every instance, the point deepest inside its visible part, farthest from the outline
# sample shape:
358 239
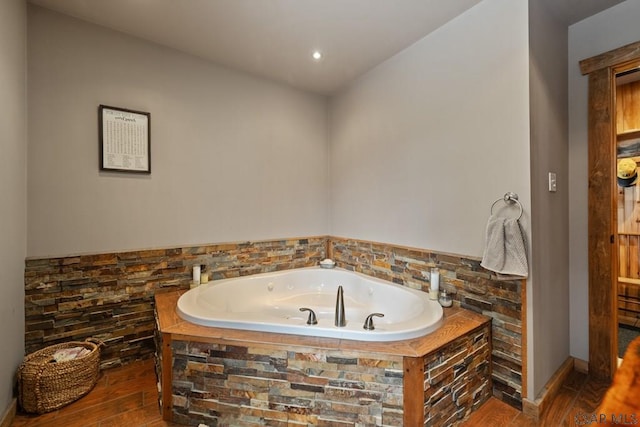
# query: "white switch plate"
552 182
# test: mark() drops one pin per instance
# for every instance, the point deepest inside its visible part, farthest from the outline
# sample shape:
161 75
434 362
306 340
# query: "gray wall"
13 205
613 28
422 145
548 292
233 157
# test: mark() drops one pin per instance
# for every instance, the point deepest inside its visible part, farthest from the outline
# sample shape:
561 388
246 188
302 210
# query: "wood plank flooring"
577 400
124 396
127 396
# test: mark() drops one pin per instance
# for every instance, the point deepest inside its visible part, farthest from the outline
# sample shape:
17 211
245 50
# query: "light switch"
552 182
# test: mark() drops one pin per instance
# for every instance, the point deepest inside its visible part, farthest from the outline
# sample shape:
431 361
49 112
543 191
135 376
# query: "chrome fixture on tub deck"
340 319
311 320
368 323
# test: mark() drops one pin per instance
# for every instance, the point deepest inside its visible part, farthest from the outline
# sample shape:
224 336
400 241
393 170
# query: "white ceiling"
275 38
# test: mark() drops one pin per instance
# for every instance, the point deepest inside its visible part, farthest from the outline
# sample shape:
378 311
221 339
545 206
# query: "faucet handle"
312 320
368 323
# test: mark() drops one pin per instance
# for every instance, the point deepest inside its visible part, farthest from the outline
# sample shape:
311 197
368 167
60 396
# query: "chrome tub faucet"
340 319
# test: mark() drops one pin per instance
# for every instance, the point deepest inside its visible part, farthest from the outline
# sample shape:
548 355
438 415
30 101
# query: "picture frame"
125 140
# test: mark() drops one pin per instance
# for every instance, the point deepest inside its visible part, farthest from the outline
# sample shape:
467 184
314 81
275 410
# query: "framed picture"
125 140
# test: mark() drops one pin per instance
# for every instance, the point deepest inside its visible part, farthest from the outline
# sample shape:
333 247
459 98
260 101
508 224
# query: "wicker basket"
44 386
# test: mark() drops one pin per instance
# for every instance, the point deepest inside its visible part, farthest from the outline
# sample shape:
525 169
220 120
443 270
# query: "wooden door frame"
603 236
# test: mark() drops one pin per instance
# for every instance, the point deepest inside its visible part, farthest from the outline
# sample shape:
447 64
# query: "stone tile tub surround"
232 377
111 295
472 286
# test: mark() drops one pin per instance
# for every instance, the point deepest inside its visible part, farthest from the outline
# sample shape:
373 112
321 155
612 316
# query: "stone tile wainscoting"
110 296
471 286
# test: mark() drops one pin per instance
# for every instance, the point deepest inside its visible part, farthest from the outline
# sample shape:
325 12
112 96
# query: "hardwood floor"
575 404
124 396
127 396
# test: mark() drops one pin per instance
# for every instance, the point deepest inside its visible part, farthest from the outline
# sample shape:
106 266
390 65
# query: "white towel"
504 250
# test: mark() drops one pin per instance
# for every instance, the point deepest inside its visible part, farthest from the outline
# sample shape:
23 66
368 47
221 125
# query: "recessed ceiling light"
317 55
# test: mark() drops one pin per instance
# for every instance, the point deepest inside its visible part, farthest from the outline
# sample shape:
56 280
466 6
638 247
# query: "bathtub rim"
415 329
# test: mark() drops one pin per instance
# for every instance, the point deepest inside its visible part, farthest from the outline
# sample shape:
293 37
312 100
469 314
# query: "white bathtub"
270 302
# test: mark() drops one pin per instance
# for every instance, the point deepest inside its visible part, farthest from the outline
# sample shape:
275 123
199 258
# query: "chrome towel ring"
509 198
